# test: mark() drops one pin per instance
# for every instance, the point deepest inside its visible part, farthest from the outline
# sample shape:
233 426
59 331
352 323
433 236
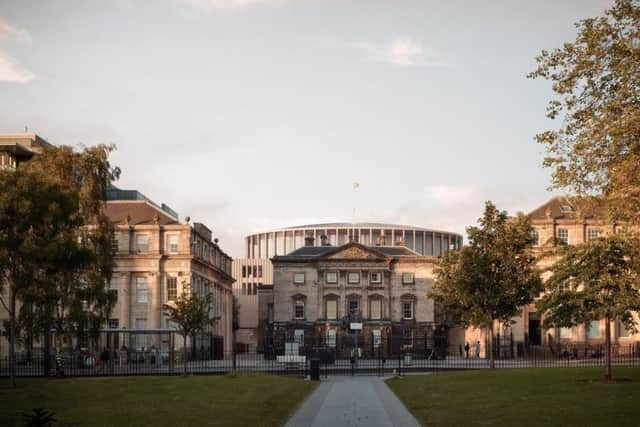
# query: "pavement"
352 402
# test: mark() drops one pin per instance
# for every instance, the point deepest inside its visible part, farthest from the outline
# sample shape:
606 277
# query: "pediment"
355 252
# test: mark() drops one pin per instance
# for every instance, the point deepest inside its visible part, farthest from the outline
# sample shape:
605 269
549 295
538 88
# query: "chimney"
323 240
308 241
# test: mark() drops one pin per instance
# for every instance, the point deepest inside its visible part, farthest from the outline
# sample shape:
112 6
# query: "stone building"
157 257
322 296
561 220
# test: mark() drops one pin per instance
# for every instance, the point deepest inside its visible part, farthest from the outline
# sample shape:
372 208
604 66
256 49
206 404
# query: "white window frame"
331 274
594 331
562 239
172 282
140 280
377 338
298 303
593 233
565 333
331 338
536 237
408 278
298 336
622 327
375 274
137 242
351 275
170 249
411 308
299 278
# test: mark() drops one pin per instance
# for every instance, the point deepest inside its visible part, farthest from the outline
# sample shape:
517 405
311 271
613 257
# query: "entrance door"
535 335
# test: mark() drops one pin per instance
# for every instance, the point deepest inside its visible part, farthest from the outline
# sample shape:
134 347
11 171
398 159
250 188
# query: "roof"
564 207
137 212
22 144
317 252
357 225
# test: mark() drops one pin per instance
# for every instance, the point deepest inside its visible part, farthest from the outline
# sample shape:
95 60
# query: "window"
376 309
535 236
260 271
298 336
623 332
298 278
407 310
142 243
172 243
375 277
244 271
113 289
172 288
407 278
332 309
593 233
244 289
142 290
140 340
299 309
565 333
354 307
594 329
331 277
407 336
377 338
353 278
114 245
331 338
112 323
563 236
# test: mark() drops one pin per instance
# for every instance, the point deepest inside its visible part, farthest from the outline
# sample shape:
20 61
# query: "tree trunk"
607 343
12 336
492 364
184 354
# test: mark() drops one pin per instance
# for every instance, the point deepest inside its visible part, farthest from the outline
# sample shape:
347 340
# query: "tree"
595 280
35 219
191 314
493 277
596 79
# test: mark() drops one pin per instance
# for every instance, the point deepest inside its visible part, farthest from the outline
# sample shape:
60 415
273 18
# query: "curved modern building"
255 269
281 242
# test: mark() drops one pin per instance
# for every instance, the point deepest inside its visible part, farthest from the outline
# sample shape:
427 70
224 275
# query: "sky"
249 115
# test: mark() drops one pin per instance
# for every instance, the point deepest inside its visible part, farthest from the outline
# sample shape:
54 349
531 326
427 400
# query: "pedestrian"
466 349
460 349
478 349
104 357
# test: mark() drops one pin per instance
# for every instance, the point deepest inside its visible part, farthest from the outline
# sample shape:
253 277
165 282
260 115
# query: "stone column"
124 301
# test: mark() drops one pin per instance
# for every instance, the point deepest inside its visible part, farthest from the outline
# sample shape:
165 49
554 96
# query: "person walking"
467 347
478 349
460 350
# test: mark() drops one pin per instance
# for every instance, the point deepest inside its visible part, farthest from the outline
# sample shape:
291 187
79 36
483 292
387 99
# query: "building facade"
19 147
561 220
320 292
260 248
157 258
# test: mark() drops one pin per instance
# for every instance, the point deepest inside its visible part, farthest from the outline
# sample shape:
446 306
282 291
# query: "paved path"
351 402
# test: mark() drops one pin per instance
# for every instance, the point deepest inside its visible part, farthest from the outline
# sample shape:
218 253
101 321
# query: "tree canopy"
596 80
491 278
599 279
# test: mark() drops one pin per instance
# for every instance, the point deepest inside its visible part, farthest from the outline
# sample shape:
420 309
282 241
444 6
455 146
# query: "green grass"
247 399
522 397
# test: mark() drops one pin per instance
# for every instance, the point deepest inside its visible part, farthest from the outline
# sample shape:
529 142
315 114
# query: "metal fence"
380 356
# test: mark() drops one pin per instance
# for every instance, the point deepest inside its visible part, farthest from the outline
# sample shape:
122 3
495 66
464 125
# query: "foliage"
191 314
493 277
596 79
599 279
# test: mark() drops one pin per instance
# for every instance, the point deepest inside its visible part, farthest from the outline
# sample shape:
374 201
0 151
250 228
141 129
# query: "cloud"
403 52
10 69
445 195
228 4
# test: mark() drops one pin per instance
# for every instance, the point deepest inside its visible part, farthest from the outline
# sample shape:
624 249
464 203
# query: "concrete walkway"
351 402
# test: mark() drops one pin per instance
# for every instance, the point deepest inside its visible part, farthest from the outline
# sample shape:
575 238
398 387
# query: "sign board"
356 326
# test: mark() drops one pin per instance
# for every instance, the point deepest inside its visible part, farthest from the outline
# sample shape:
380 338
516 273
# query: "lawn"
522 397
246 399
